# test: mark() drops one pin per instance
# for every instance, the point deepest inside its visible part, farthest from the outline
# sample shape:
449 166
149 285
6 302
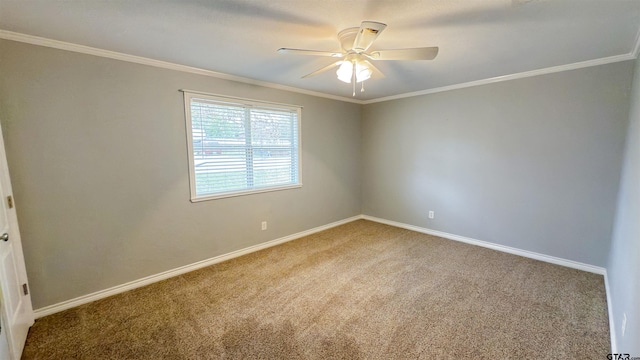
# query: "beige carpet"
359 291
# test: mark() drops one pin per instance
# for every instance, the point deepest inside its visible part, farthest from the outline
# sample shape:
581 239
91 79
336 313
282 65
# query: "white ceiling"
478 39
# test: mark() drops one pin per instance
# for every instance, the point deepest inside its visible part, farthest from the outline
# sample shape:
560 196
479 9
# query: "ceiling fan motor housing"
347 37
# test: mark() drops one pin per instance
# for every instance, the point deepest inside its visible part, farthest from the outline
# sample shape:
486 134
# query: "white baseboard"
52 309
486 244
612 324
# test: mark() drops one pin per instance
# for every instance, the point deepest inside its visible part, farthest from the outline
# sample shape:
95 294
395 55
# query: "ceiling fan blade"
321 70
310 52
368 32
375 71
424 53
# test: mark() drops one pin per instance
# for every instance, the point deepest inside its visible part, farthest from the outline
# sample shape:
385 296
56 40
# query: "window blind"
242 146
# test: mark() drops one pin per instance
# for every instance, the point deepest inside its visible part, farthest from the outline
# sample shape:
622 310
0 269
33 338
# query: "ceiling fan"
355 64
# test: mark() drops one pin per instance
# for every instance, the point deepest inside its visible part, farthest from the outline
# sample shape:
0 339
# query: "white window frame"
189 95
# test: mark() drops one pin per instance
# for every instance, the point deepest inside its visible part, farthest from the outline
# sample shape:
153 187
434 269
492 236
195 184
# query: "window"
239 146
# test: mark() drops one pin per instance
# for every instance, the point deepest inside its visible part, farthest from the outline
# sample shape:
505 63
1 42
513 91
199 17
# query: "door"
15 303
4 346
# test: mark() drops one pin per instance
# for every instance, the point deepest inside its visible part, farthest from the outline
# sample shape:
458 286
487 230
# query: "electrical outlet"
624 323
432 214
264 225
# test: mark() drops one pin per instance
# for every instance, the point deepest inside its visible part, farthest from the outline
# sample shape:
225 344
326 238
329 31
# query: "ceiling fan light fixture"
345 72
362 72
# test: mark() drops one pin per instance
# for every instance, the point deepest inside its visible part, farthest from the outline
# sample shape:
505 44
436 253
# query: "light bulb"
345 71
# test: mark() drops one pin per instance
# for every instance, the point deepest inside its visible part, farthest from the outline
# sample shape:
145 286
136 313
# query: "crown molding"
525 74
36 40
636 48
61 45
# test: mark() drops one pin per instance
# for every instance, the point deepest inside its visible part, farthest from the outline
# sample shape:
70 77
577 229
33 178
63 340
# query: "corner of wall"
612 325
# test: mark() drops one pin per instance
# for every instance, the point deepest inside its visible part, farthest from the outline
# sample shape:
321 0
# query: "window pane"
272 138
218 145
269 128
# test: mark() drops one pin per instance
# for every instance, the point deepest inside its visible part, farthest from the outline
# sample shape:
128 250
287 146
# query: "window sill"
195 199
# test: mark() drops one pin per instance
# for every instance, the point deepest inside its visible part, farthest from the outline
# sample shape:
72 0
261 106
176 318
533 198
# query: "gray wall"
532 163
623 268
98 159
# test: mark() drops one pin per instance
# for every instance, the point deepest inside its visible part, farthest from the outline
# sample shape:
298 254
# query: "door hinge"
25 289
10 201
